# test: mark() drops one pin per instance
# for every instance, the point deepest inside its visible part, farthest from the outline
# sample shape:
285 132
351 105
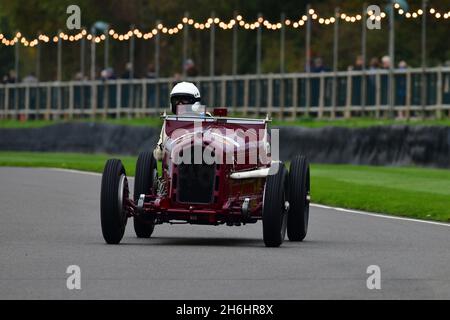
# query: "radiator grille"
196 183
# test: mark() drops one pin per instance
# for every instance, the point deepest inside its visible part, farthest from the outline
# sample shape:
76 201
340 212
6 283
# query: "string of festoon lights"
225 25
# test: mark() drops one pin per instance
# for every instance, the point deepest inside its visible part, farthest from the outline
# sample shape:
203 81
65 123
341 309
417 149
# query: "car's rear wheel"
146 175
299 193
275 208
114 192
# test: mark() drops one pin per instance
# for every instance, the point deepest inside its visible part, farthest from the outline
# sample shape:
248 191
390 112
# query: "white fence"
322 95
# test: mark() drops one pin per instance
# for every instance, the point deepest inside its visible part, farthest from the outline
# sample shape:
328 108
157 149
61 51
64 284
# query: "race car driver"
184 93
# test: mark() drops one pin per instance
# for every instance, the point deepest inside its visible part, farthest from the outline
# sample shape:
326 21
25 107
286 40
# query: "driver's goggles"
182 100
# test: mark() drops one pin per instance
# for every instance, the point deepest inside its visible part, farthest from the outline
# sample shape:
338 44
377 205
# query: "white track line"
74 171
87 173
377 215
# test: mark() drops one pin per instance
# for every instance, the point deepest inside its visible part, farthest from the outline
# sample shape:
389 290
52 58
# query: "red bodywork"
228 195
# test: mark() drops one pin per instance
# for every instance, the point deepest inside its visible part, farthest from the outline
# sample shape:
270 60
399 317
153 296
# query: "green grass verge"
140 122
83 162
357 123
411 192
302 122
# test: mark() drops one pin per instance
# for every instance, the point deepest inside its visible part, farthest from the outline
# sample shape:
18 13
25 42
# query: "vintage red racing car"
215 170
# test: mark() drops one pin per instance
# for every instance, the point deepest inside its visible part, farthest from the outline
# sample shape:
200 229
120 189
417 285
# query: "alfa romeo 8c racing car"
215 170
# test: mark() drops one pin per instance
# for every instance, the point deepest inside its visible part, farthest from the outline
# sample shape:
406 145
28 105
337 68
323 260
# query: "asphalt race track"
50 219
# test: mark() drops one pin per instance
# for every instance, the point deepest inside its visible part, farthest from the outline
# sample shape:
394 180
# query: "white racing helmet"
185 93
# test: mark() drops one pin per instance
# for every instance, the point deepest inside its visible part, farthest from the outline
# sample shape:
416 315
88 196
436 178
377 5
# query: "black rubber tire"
274 214
113 219
299 189
145 166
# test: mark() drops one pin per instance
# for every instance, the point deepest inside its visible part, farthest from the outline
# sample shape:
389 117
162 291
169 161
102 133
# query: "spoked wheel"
275 208
144 183
113 197
299 198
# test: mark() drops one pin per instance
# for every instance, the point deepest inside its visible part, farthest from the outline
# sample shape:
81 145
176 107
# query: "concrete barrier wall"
80 137
386 145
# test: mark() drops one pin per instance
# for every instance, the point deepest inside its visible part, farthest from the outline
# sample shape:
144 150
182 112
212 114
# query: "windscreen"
191 110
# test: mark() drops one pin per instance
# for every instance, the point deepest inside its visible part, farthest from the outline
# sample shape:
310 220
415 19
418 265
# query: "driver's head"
184 93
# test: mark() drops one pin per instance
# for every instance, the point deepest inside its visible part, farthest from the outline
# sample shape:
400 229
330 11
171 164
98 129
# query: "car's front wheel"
146 174
114 192
275 207
299 188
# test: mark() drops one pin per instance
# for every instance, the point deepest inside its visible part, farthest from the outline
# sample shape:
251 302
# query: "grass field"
91 162
304 122
411 192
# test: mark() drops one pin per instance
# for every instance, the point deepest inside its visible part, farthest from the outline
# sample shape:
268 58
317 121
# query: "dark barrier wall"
80 137
387 145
